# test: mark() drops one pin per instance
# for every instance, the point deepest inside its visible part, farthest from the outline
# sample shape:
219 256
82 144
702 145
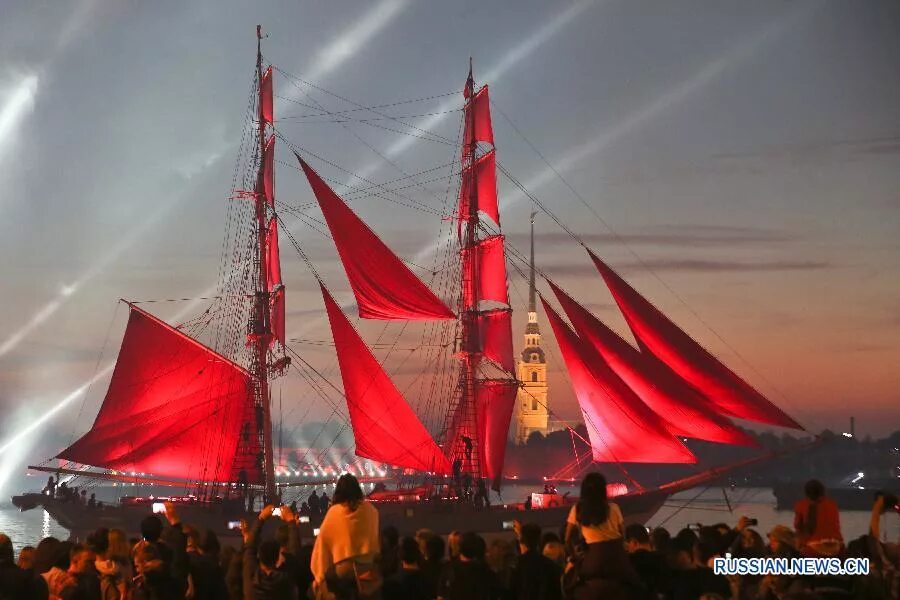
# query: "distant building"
532 410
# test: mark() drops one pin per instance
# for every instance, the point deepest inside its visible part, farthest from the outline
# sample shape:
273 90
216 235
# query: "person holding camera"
883 579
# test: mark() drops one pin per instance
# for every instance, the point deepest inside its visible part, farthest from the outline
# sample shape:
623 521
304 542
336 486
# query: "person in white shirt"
348 543
603 567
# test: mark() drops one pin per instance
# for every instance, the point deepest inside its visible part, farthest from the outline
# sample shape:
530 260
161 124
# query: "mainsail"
174 407
660 337
687 413
486 259
620 426
384 287
495 326
385 427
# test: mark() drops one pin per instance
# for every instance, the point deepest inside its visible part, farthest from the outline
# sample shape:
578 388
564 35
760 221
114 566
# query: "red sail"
385 427
485 174
687 413
174 408
621 427
273 260
491 269
277 319
385 288
660 337
495 327
265 97
495 400
269 172
481 104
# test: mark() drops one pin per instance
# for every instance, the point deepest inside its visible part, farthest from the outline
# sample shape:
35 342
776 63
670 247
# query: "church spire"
533 414
532 293
532 328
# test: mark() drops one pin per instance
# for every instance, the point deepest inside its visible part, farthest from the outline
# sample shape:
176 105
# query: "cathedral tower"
532 411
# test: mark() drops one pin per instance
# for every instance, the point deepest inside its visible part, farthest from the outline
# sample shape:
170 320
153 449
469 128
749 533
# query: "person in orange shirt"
817 522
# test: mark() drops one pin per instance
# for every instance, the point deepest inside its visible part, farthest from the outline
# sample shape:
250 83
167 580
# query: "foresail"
687 413
268 177
384 287
266 111
620 426
276 286
483 175
660 337
174 407
385 427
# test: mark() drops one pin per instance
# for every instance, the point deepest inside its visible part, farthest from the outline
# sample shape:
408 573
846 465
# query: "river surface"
692 506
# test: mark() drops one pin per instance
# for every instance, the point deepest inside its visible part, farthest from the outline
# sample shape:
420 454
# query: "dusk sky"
744 158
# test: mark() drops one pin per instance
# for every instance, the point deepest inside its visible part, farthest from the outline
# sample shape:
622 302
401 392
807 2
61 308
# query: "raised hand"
171 512
266 512
287 514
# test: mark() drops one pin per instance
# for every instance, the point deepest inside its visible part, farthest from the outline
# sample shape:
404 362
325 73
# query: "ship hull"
441 517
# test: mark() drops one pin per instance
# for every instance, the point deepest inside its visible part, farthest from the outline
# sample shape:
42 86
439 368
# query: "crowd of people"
594 556
70 494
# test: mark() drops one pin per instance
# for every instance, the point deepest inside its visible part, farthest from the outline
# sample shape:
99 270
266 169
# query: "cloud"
693 266
887 144
673 235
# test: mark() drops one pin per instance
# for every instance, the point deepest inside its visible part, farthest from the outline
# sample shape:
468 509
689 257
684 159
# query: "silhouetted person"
535 577
390 551
313 502
288 538
262 580
207 576
161 558
457 474
14 581
50 487
409 583
482 498
81 567
323 502
469 446
433 563
468 578
649 564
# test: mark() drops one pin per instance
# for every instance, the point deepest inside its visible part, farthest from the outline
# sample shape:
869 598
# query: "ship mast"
260 325
468 310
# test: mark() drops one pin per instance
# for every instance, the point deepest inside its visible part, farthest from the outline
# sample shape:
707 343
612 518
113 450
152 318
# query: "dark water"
692 506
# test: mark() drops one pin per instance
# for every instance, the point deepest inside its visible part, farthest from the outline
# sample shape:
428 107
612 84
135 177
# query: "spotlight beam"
37 423
510 59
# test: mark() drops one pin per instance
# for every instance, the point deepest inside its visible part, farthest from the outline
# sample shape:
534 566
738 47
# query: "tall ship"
189 407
